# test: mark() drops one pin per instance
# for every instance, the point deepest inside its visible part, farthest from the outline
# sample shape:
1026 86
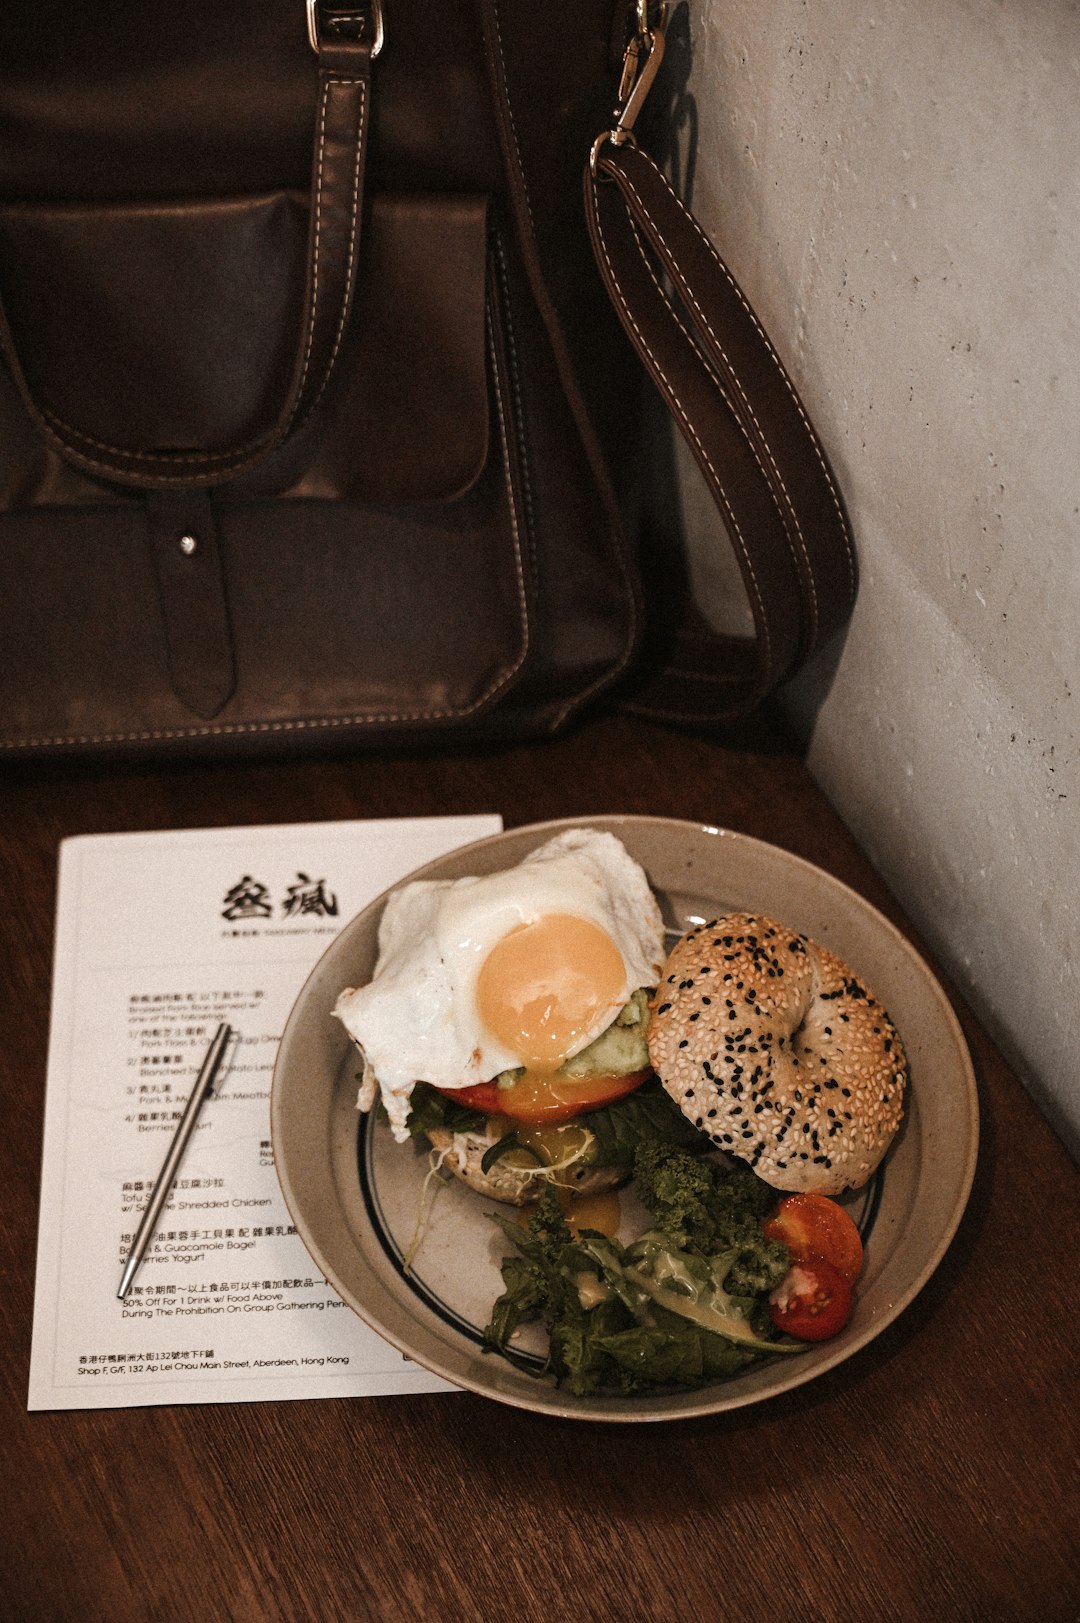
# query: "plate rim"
664 1406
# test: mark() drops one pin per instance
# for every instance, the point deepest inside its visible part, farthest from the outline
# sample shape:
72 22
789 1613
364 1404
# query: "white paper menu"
158 938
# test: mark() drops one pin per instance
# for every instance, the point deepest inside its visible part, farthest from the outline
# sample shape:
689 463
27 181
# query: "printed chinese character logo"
247 900
309 896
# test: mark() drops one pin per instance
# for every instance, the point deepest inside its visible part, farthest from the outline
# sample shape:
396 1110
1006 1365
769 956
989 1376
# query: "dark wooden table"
935 1475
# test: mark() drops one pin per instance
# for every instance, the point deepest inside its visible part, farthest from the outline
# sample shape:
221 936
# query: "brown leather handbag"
318 422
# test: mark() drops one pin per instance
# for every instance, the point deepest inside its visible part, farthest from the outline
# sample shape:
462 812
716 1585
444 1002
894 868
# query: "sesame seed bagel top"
771 1045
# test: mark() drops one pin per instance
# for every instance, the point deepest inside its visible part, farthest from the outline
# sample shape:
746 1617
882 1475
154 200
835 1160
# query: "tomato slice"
481 1096
815 1226
812 1302
538 1098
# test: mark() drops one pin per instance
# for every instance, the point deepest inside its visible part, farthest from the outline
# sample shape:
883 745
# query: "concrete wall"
898 190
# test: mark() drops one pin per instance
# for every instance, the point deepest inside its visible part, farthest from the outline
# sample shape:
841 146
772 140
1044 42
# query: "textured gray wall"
898 190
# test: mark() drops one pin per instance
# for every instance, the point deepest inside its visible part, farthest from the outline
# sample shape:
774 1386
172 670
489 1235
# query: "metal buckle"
641 64
372 7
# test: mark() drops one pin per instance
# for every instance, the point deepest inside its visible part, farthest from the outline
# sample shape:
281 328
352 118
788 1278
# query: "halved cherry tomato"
812 1302
536 1097
815 1226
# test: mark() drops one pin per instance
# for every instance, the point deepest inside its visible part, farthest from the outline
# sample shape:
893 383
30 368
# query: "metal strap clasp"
644 54
362 21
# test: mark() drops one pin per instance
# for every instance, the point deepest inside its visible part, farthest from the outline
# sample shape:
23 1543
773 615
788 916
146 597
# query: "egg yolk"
545 986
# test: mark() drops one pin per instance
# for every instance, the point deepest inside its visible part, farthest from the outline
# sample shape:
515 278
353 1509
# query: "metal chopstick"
204 1082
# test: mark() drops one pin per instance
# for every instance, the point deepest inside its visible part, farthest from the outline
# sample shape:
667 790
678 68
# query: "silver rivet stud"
188 545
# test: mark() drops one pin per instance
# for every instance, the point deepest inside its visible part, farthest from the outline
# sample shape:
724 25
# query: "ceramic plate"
355 1195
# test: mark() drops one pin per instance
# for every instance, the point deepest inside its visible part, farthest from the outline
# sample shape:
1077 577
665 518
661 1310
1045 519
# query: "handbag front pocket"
372 574
148 328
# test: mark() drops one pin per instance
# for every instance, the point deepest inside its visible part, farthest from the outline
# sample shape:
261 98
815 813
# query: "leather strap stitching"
515 381
510 114
739 423
324 102
788 385
733 377
515 526
729 516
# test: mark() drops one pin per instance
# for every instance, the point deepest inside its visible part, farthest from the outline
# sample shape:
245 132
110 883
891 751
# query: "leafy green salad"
686 1303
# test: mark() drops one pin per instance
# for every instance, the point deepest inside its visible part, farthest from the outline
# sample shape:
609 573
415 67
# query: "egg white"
416 1020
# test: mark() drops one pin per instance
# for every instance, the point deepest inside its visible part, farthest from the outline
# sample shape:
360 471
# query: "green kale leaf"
429 1109
542 1284
656 1314
647 1114
709 1208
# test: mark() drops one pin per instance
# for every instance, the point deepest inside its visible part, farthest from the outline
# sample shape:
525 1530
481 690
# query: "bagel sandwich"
775 1049
508 1138
505 1009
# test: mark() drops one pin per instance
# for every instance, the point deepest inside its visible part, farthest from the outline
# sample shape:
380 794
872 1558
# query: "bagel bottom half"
771 1045
462 1153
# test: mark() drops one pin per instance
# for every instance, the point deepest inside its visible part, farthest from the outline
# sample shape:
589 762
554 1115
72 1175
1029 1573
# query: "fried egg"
521 968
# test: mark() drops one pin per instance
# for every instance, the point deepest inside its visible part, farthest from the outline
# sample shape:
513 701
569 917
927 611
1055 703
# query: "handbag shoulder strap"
741 417
344 39
702 346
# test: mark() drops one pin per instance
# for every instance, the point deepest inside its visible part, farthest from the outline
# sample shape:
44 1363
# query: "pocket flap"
175 326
